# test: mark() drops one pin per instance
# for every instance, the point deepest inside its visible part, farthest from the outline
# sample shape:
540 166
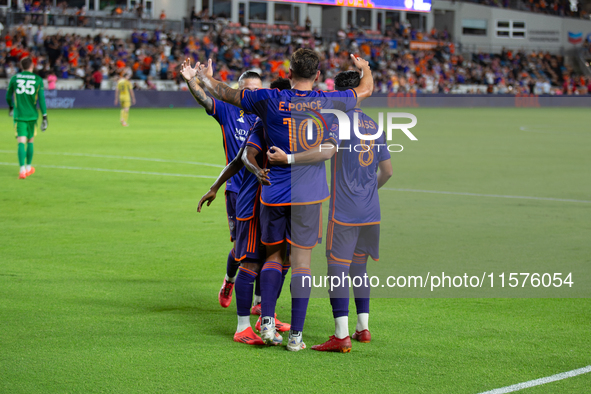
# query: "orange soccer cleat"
225 295
335 344
248 337
22 175
362 336
31 171
256 309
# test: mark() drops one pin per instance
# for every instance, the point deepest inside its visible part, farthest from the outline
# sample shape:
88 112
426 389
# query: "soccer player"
124 94
235 125
248 248
28 89
291 213
358 170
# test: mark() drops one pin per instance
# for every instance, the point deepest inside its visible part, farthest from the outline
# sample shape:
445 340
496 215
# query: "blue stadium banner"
403 5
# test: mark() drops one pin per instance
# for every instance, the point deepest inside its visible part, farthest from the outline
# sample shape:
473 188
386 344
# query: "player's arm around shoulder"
323 152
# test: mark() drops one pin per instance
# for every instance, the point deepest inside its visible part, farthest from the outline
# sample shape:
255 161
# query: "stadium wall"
182 99
541 32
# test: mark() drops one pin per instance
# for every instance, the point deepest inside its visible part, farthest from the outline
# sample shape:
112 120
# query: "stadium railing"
92 21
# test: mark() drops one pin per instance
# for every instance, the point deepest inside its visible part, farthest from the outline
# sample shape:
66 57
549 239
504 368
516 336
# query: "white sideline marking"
487 195
538 382
221 166
122 158
120 171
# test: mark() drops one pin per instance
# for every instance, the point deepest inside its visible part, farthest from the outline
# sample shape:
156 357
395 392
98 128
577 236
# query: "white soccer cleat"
295 343
268 330
277 340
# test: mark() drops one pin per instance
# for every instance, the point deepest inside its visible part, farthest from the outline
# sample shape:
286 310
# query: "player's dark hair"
304 63
281 84
347 80
250 75
26 63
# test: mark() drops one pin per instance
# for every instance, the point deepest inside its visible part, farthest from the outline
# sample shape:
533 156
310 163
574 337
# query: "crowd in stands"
551 7
157 55
63 8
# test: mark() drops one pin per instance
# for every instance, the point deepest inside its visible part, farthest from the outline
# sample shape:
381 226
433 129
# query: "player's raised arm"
220 90
365 88
190 75
324 152
228 172
249 160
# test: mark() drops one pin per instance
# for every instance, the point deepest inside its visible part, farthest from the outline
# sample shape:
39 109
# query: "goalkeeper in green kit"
27 89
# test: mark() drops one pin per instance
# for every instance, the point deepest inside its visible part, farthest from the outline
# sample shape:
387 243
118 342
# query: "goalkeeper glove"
10 111
44 123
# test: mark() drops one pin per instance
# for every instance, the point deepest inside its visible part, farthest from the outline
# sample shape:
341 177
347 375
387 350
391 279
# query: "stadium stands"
404 59
549 7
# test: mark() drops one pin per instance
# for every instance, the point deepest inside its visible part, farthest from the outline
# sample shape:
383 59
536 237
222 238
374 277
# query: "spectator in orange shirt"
224 72
162 15
73 58
275 65
365 49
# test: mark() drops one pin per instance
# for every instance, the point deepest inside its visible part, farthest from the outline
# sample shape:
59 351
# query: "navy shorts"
231 211
300 225
248 241
344 241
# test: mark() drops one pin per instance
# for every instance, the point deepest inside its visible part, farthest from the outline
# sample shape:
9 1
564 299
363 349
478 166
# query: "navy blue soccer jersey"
293 121
354 181
249 194
235 126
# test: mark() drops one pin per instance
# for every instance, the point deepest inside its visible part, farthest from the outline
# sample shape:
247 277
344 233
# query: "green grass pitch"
109 279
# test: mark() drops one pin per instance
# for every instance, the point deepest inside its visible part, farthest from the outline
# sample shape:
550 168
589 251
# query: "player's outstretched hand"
359 62
204 70
209 197
209 70
44 123
10 111
263 177
187 71
276 156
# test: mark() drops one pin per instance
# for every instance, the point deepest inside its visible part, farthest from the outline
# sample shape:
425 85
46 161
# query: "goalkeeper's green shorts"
25 128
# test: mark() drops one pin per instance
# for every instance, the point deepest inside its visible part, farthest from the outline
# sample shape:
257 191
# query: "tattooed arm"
189 74
218 89
200 95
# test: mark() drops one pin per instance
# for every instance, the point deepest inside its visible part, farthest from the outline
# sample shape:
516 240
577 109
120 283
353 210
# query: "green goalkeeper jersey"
28 90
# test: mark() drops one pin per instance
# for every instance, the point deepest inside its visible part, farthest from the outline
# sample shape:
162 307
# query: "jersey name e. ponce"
285 115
